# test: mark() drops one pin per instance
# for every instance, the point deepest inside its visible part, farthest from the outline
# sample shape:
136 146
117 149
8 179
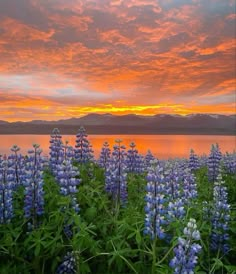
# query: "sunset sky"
66 58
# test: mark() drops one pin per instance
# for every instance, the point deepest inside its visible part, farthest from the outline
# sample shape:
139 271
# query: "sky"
67 58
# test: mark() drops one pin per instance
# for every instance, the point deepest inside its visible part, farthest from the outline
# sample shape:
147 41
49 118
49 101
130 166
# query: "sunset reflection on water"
162 146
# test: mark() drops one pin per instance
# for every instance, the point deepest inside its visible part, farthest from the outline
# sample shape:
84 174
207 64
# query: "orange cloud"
74 57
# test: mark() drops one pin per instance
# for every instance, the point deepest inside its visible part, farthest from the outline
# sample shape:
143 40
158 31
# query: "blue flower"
220 217
214 163
33 183
116 176
186 251
83 148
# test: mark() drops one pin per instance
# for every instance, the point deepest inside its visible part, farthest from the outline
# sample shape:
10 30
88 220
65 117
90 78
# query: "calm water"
162 146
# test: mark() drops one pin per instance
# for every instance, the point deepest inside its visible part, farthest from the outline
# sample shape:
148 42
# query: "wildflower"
193 161
33 183
214 163
135 162
105 156
7 185
186 251
68 181
83 148
220 217
68 264
155 209
116 176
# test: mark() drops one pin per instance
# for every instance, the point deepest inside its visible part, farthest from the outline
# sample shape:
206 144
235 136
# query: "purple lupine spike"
135 162
214 163
33 183
148 158
193 163
68 264
186 252
116 176
56 150
68 151
105 156
16 161
220 217
83 148
203 159
68 181
7 185
155 209
189 186
229 161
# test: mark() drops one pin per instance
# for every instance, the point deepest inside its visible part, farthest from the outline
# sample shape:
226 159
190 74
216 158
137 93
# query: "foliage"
101 238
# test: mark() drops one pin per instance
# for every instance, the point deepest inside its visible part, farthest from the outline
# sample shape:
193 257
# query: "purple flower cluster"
116 176
220 217
230 163
83 148
7 185
134 161
33 183
105 156
155 209
148 158
193 163
68 181
186 251
68 264
214 163
56 150
16 161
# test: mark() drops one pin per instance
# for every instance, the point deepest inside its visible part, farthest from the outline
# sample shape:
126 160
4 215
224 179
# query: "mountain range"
129 124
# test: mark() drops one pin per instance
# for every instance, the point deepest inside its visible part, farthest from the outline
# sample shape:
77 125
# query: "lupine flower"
16 161
214 163
68 182
148 158
193 161
116 176
68 265
68 151
189 186
203 159
83 148
33 183
105 156
7 185
135 163
220 217
229 161
56 150
186 252
155 209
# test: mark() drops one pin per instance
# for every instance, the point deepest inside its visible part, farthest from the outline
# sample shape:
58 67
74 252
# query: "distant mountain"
3 122
130 124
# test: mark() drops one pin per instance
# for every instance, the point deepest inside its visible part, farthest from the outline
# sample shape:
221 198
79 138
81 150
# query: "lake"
162 146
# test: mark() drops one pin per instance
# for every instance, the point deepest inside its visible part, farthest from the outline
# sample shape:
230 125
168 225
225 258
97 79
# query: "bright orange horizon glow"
64 59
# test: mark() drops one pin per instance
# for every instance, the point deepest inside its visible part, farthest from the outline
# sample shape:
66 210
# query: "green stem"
154 256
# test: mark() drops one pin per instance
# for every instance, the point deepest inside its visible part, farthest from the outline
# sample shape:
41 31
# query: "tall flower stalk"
116 176
83 148
220 217
186 252
214 163
105 156
7 185
33 183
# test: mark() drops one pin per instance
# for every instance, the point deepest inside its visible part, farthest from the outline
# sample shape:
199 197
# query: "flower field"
121 213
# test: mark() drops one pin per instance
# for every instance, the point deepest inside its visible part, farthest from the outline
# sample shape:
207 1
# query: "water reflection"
162 146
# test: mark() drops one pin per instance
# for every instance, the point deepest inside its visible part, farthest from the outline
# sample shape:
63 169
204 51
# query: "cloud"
139 52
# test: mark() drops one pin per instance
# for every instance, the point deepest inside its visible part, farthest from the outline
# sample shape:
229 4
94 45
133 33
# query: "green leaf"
138 237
